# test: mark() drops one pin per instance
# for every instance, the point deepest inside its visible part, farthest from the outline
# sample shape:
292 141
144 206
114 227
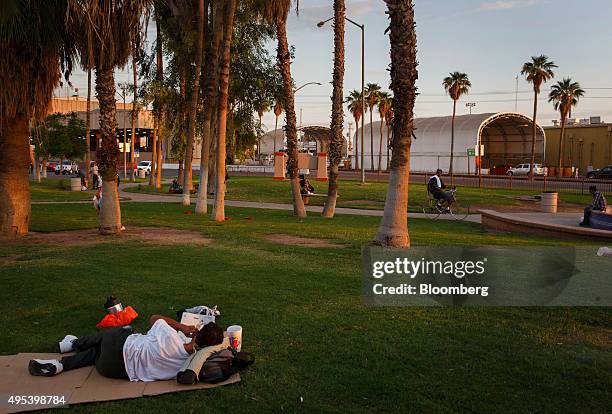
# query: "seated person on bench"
121 353
175 187
599 204
436 188
305 187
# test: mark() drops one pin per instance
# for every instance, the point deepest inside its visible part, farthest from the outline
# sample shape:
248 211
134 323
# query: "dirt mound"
154 235
301 241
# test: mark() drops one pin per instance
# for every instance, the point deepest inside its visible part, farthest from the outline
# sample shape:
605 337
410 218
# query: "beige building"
587 145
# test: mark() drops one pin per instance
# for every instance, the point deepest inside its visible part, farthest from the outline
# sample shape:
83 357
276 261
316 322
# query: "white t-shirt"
158 355
438 181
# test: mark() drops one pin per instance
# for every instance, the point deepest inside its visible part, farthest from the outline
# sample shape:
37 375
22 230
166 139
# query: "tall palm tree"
355 107
384 107
372 93
456 85
278 110
109 30
87 130
261 107
337 117
564 96
218 213
135 55
33 39
187 177
538 71
393 229
211 86
389 122
276 12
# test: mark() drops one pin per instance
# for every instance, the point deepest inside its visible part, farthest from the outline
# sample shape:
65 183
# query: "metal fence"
578 185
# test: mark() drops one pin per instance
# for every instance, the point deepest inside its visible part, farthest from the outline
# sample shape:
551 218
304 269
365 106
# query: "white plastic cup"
234 333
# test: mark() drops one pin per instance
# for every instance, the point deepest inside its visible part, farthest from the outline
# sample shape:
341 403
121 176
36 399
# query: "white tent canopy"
506 137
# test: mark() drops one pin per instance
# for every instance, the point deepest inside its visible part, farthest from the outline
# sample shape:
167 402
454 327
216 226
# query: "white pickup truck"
523 169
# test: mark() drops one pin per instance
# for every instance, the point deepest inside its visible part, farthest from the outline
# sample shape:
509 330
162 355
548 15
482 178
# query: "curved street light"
306 84
362 28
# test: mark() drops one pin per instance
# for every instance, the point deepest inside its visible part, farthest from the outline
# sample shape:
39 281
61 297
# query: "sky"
487 39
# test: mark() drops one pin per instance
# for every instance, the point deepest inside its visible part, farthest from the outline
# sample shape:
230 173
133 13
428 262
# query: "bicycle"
437 207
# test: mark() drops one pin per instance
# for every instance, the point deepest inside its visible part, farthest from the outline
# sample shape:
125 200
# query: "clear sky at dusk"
487 39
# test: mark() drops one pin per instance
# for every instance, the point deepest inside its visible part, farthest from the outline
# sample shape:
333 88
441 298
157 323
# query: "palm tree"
372 93
538 71
384 106
276 12
278 110
389 122
355 107
262 107
337 118
30 67
218 213
187 176
393 229
456 85
87 129
564 96
109 30
211 86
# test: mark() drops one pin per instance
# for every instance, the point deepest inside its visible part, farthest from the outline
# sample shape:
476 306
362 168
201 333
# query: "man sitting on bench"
121 353
598 204
305 187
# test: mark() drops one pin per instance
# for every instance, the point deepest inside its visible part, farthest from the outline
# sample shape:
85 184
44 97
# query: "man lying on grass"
121 353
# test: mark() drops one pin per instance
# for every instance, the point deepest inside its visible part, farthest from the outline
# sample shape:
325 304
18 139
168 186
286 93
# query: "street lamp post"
470 105
362 28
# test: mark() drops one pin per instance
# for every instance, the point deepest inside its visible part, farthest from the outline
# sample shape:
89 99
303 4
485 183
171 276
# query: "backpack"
223 364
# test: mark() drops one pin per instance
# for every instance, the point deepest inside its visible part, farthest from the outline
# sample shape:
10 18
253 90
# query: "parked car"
523 169
500 170
144 166
51 166
605 172
68 167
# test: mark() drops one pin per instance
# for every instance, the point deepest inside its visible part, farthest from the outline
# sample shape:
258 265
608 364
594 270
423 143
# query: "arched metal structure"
506 137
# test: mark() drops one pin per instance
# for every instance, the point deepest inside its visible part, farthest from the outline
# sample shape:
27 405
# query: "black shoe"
41 370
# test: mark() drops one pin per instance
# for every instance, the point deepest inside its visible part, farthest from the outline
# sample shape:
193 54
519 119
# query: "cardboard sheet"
78 386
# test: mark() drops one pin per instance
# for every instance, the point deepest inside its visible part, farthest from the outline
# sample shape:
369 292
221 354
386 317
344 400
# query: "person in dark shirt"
599 204
305 186
436 188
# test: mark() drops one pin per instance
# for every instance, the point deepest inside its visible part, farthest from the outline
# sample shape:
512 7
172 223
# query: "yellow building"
587 146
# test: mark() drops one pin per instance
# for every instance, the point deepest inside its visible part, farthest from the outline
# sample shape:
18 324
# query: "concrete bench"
602 219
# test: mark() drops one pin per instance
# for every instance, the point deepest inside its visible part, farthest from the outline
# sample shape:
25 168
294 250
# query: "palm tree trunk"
284 62
158 170
87 130
132 143
152 179
44 167
218 213
337 118
561 145
371 141
380 146
274 144
393 230
188 179
355 145
211 85
14 182
388 143
110 211
451 171
533 134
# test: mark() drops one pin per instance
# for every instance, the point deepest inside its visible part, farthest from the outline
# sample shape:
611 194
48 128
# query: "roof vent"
595 120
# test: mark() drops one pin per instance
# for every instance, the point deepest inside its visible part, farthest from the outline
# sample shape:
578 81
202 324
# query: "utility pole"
516 95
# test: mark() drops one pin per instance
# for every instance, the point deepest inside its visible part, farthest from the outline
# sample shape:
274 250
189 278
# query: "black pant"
104 350
443 195
587 216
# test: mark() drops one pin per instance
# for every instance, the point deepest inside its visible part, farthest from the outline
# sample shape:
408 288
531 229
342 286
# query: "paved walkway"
127 197
154 198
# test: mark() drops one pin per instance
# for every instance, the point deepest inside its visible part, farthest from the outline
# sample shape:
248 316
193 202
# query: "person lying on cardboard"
121 353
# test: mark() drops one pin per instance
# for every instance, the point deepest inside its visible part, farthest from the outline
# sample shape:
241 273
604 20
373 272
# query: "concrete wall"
588 146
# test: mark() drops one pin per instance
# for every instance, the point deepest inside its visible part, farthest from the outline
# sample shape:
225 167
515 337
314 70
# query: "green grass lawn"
59 190
317 348
369 196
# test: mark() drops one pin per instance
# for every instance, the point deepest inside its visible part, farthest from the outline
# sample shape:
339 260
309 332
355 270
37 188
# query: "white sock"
58 365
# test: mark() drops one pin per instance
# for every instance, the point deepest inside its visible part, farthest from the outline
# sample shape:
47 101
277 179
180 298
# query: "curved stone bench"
601 220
